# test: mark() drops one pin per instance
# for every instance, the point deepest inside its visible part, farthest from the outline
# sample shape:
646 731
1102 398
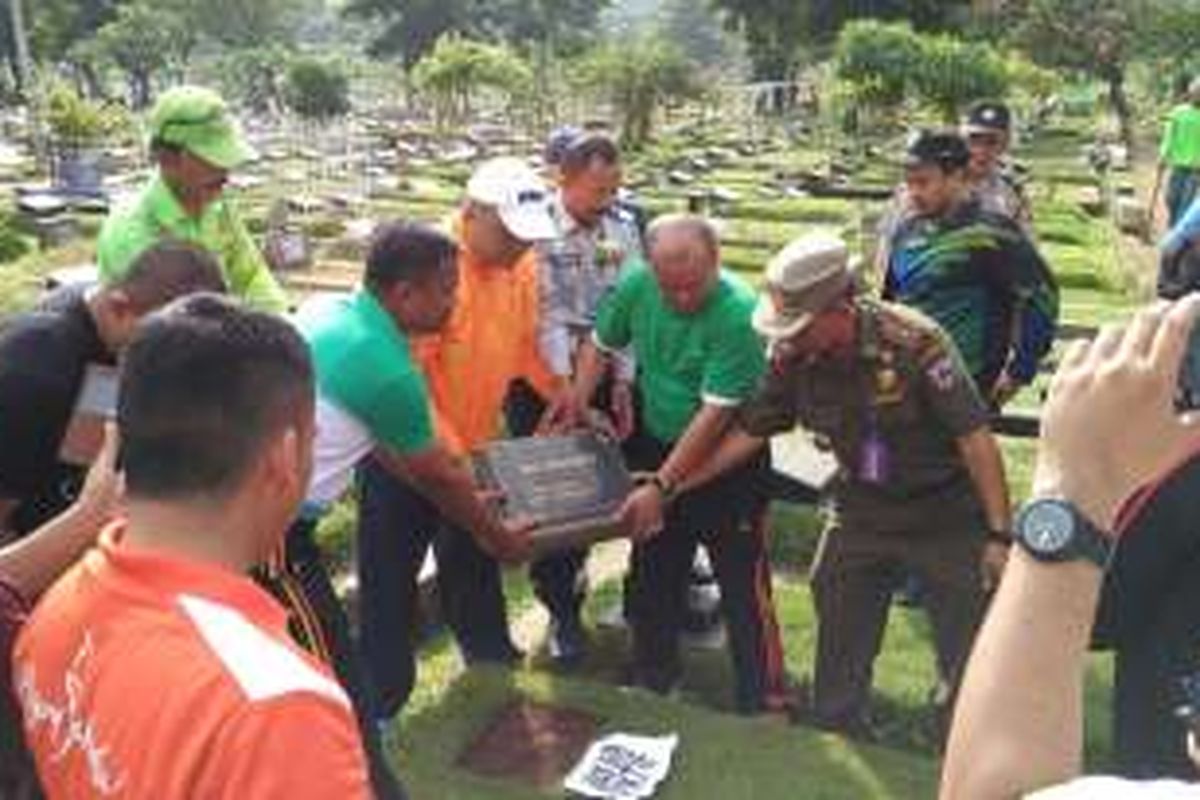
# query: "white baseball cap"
517 193
802 280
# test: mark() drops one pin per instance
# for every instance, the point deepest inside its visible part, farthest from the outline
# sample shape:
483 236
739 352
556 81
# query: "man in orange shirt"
155 668
490 340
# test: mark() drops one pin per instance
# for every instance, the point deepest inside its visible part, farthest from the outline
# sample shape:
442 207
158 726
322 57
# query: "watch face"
1047 527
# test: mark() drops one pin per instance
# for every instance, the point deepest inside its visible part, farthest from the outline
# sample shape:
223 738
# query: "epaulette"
910 330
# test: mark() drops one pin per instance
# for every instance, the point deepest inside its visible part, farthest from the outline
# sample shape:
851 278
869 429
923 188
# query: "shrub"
317 89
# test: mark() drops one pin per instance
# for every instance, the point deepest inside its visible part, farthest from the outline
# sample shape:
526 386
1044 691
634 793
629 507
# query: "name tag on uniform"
95 404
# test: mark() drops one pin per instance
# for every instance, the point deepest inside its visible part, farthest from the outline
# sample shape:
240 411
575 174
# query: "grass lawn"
721 754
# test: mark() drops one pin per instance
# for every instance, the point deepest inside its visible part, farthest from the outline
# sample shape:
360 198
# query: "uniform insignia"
942 373
889 388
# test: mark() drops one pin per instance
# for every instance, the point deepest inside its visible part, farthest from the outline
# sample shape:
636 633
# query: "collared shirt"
156 214
984 282
43 359
998 193
1180 145
891 414
145 675
575 272
712 356
369 389
490 340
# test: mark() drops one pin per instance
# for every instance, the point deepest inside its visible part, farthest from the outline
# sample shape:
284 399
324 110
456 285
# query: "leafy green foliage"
637 78
1092 36
253 76
75 120
458 67
317 89
143 39
13 243
879 59
412 28
951 73
887 62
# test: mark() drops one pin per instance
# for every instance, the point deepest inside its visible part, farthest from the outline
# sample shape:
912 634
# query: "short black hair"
167 270
946 150
205 383
406 252
588 148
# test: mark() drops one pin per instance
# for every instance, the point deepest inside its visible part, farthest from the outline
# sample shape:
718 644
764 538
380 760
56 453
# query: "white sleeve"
1108 788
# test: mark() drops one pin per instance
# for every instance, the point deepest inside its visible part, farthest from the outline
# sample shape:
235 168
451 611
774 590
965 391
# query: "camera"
1187 394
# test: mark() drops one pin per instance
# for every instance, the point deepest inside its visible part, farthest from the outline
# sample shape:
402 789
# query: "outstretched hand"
1110 425
104 488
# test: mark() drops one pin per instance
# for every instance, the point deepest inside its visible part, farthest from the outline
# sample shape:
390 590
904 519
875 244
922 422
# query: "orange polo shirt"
140 675
490 340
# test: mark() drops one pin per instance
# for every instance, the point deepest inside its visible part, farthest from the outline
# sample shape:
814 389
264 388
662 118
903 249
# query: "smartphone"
1187 396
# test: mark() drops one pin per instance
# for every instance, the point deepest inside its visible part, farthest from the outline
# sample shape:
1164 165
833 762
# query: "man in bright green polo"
195 144
1180 153
687 322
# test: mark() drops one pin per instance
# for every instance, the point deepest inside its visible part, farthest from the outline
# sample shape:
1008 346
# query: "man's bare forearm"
31 564
1019 715
735 448
590 367
448 485
697 443
985 463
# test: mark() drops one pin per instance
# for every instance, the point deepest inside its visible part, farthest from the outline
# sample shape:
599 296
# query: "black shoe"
566 641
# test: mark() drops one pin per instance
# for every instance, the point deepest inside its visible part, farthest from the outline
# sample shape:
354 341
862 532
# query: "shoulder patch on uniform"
942 373
262 667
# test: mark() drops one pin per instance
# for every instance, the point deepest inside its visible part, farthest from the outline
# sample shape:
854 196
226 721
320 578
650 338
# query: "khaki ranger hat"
803 279
197 120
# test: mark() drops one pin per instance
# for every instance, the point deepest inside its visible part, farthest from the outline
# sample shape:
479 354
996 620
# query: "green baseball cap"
197 120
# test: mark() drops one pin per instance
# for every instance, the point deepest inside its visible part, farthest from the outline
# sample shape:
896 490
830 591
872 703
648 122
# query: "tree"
879 60
951 73
458 67
250 23
412 27
142 40
638 78
317 89
772 30
698 31
1092 36
775 30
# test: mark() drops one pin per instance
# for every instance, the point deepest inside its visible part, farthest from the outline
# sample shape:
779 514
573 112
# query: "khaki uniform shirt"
891 415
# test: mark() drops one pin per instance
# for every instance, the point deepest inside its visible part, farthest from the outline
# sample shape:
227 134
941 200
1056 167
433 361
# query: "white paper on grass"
622 767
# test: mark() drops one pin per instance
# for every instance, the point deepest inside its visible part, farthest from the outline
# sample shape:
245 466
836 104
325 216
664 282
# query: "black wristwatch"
1054 530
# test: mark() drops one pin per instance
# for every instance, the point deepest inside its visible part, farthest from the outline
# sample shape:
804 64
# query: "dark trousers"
853 576
319 624
728 516
557 578
396 527
1150 614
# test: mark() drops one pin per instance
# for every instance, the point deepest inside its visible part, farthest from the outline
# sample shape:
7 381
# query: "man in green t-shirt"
1180 153
372 400
687 323
194 144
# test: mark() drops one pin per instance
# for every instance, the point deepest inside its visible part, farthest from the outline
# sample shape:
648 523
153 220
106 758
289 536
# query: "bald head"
686 256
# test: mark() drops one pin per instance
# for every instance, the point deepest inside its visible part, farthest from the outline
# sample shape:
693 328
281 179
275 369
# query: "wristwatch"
666 488
1054 530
